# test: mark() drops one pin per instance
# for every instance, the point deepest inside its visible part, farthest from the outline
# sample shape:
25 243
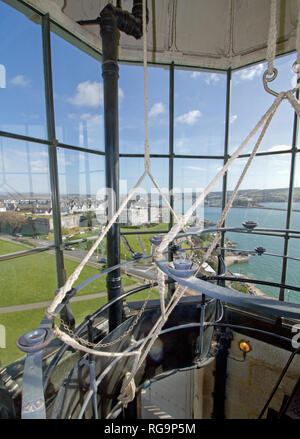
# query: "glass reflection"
21 75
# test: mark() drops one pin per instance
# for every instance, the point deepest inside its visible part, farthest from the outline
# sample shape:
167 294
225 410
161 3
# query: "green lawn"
132 240
18 323
33 278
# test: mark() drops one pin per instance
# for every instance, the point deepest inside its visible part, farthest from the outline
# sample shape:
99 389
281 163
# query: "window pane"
199 124
22 104
30 283
293 272
132 109
264 267
191 176
249 102
25 201
263 193
78 96
295 221
147 209
81 176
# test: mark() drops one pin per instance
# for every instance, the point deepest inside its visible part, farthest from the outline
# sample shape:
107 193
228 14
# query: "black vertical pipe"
171 139
149 207
66 313
226 156
171 286
86 160
225 335
290 201
110 72
219 393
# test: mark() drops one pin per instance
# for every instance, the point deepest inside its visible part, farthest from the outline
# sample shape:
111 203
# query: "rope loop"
128 390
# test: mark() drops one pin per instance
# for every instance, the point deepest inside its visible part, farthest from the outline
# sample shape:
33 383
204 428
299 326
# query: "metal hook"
296 67
265 80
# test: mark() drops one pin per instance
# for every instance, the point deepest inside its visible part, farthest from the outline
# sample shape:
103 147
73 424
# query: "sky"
199 123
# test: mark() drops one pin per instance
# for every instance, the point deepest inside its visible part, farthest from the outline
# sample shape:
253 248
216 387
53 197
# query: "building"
68 134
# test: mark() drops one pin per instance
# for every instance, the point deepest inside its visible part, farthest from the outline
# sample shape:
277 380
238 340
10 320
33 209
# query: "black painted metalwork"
219 394
226 149
66 313
282 374
290 199
113 20
110 73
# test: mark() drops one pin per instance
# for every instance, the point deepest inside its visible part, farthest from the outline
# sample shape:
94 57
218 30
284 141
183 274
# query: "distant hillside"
261 195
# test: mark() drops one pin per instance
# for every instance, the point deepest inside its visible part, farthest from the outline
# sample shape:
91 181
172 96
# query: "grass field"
32 279
18 323
132 240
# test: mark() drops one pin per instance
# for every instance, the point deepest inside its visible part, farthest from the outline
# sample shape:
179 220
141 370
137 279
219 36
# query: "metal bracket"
33 400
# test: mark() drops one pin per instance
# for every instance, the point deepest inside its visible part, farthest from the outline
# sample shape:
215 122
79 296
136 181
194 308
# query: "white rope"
179 292
162 289
128 387
74 344
298 34
127 390
294 102
177 227
146 147
74 276
272 38
238 184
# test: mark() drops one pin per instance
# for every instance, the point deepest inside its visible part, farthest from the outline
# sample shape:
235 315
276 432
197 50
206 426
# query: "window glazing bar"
24 138
225 159
66 313
80 149
290 200
25 253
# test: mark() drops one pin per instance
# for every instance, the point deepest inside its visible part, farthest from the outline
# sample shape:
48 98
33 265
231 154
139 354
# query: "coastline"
236 259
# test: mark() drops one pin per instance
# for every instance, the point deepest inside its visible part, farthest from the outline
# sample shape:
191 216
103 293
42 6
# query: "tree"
14 219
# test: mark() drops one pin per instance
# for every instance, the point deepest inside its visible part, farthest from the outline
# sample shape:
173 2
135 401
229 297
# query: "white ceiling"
205 33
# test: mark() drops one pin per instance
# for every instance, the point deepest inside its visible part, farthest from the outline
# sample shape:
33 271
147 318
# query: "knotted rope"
128 386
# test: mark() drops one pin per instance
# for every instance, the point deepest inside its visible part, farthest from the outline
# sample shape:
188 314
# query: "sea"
261 267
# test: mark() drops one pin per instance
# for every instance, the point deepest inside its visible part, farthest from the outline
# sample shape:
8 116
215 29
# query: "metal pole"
226 148
219 394
171 139
110 72
171 287
290 201
66 313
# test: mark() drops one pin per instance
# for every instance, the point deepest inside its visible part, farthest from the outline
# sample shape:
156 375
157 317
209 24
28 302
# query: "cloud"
157 109
233 118
2 76
250 73
195 75
20 80
189 118
212 79
39 166
120 94
279 148
195 168
183 145
88 94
